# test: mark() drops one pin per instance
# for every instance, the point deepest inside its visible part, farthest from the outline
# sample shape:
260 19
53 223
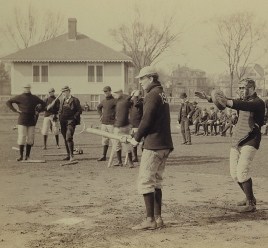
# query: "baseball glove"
219 99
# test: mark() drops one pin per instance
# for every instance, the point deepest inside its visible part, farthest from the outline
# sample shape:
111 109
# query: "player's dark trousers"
67 131
185 129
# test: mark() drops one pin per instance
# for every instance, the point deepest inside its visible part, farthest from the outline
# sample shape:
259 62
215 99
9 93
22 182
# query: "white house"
72 59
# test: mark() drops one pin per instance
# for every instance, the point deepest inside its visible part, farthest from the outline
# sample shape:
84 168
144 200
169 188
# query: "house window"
95 73
40 73
94 101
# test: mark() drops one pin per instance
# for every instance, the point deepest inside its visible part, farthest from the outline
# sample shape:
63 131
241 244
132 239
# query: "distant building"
185 79
71 59
254 71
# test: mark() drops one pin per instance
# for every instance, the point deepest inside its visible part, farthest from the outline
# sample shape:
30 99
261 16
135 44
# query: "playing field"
89 205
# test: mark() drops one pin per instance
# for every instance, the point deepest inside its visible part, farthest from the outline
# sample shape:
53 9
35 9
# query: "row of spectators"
212 121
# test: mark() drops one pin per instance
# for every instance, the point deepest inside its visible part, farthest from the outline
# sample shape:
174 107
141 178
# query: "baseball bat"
54 101
121 138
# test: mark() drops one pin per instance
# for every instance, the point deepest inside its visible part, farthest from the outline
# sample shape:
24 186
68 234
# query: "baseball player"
106 110
184 119
28 105
155 129
246 137
122 126
135 115
51 118
69 116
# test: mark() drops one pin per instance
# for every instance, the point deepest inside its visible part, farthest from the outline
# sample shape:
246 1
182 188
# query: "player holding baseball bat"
51 117
247 135
49 106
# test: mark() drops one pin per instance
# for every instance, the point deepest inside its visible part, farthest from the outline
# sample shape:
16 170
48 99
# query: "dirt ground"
89 205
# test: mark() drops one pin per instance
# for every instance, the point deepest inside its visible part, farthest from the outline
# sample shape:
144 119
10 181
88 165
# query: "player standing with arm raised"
246 138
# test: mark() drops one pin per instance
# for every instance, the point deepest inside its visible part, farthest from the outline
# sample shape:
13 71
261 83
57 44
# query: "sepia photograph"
133 124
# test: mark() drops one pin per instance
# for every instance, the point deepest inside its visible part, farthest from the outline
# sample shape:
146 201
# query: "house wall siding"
72 74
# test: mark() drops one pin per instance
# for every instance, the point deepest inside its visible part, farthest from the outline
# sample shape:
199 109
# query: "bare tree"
238 35
144 43
29 27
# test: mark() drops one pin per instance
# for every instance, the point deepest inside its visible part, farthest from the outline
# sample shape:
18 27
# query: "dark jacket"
53 110
155 122
203 117
256 107
136 111
189 108
195 114
106 110
212 117
122 111
27 105
75 108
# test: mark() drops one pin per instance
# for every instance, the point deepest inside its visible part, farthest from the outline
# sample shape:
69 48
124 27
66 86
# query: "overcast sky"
195 49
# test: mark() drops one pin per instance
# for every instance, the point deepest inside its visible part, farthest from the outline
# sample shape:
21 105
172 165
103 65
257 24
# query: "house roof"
61 49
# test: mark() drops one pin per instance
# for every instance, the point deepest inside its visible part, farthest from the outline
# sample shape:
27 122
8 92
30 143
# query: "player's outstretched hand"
201 94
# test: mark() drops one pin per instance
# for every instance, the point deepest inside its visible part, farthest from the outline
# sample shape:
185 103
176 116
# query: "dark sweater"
106 110
122 111
70 111
136 111
155 122
256 107
27 105
184 109
55 109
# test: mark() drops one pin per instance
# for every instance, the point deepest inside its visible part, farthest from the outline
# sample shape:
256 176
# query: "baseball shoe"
135 160
131 166
250 207
159 222
66 159
147 224
102 159
58 147
118 164
183 143
20 159
72 159
44 148
245 202
188 143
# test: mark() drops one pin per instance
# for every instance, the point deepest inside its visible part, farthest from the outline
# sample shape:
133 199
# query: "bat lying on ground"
33 161
69 163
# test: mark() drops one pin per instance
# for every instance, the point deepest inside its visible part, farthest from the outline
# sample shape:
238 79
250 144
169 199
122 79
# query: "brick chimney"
72 28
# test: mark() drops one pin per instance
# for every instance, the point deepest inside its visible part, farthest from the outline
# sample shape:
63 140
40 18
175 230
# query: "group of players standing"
154 129
120 114
58 115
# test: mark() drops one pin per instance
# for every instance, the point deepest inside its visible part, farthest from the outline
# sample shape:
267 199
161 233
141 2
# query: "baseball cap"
107 88
51 90
147 70
65 88
27 86
249 82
